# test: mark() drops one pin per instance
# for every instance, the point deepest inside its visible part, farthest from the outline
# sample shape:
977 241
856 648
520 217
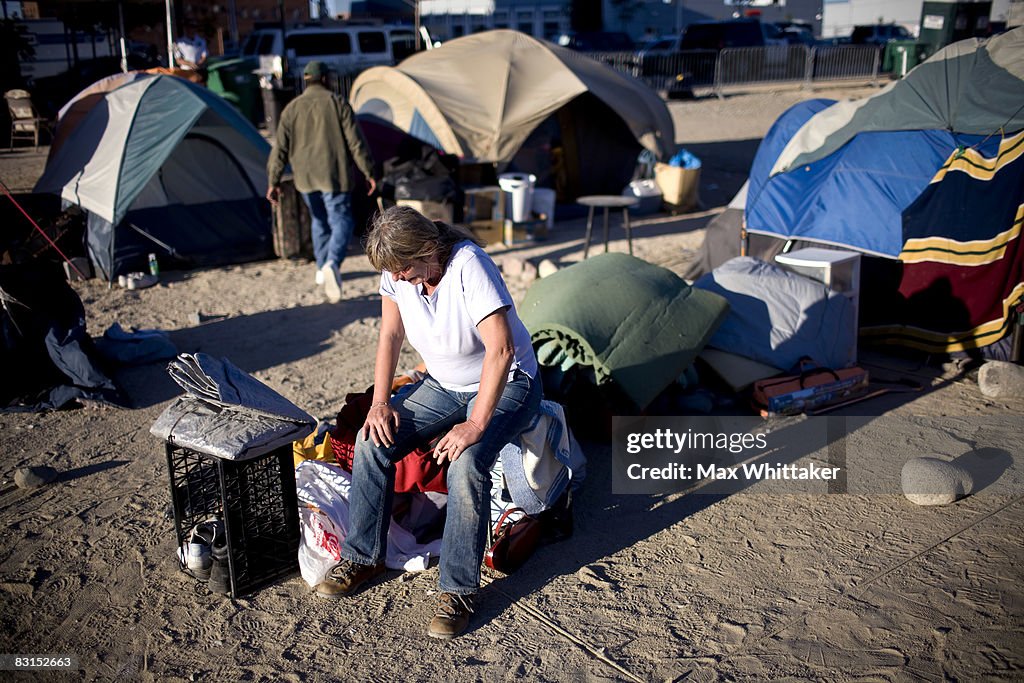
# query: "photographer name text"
750 472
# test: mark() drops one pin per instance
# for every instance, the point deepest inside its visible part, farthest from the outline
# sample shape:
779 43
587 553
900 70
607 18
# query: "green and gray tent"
164 166
974 86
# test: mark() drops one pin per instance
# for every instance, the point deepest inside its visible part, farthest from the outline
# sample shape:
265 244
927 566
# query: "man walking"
317 133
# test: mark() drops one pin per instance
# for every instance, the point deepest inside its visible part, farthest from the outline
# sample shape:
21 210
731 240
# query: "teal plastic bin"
234 80
903 55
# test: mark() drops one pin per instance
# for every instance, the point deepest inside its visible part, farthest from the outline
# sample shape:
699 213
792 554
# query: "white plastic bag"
323 491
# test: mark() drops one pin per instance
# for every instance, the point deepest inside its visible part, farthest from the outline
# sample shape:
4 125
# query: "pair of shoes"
197 549
452 617
332 282
346 577
137 280
220 570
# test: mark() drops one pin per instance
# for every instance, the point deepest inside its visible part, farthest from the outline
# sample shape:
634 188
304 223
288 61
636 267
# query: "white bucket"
520 186
544 203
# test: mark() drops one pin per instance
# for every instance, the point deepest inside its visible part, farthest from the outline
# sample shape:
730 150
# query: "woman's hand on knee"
458 439
380 425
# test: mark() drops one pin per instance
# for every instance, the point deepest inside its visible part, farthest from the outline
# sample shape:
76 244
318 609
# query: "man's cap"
314 70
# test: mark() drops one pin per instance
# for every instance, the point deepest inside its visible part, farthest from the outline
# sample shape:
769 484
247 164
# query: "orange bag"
814 387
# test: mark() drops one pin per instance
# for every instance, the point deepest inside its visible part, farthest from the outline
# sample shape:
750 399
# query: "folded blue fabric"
136 347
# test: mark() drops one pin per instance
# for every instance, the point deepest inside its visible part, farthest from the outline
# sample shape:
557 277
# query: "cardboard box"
680 187
291 231
435 211
507 232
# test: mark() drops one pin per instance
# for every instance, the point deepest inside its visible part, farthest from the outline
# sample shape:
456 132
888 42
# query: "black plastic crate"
254 498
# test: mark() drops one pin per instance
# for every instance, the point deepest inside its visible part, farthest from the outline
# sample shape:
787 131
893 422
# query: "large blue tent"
930 173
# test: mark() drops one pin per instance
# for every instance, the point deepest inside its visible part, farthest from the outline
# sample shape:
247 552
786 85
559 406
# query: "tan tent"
482 96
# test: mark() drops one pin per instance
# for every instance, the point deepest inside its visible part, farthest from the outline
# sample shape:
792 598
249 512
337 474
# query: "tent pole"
233 22
124 51
170 250
112 265
168 9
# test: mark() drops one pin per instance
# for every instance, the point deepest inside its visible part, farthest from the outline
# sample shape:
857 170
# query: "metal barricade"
681 70
723 69
845 62
338 83
623 62
768 64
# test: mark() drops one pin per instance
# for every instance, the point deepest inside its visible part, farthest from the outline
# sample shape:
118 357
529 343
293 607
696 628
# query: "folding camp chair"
26 123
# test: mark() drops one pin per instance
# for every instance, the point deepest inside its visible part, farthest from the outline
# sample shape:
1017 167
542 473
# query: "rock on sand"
930 481
999 379
34 477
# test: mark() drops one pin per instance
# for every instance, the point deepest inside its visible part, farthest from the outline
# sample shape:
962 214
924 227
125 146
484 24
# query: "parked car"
597 41
702 42
718 35
795 33
660 47
878 34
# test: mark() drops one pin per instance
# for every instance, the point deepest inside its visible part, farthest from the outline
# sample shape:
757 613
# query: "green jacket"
316 133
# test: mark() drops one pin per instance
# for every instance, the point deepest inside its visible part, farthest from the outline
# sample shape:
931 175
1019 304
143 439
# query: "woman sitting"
444 293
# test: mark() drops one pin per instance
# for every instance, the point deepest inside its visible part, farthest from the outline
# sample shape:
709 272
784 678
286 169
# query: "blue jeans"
331 223
428 411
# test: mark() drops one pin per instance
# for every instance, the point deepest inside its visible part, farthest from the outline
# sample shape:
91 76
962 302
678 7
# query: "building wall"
668 18
447 19
396 11
642 19
215 21
840 16
56 47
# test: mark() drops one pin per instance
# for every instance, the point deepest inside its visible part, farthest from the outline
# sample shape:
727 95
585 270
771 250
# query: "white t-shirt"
442 327
191 49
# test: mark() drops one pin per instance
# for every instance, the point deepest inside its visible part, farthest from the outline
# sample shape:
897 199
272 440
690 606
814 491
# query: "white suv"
347 48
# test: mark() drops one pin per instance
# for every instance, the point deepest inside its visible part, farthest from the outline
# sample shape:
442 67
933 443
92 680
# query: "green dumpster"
234 80
903 55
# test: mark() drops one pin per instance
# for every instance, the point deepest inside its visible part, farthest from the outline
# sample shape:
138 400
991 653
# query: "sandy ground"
763 583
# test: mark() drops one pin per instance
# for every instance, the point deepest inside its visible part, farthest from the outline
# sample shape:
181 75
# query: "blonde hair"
400 235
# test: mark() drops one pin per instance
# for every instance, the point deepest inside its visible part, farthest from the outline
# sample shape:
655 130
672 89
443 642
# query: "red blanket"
417 471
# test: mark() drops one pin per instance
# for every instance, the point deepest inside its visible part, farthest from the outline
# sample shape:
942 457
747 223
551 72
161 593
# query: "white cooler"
520 186
648 195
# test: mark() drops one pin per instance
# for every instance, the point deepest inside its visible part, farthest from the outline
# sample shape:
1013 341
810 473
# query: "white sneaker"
319 278
332 282
141 280
196 551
